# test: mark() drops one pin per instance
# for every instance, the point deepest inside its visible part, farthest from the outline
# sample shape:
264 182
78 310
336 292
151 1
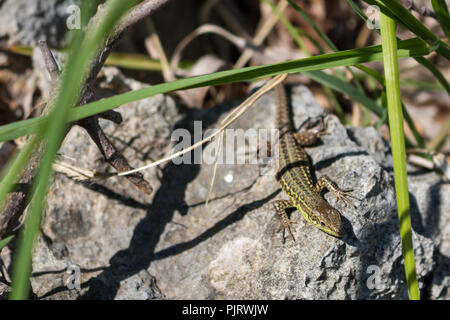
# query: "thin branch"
135 15
112 116
49 60
111 154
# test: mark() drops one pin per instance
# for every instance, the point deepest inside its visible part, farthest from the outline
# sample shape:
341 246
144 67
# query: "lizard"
295 178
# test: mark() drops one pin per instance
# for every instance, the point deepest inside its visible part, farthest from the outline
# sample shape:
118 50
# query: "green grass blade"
432 68
322 35
372 72
17 129
4 242
14 168
421 84
409 121
406 48
390 60
441 10
345 88
292 30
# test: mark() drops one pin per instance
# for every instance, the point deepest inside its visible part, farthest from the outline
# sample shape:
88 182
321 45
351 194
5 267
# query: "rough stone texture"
25 22
171 245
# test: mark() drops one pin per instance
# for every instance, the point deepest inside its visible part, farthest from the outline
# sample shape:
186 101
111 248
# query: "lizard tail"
282 119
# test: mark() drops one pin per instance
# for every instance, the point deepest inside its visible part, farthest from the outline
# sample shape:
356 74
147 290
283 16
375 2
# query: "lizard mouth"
337 233
337 230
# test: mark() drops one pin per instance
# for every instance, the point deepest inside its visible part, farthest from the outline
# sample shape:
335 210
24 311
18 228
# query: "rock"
171 245
25 22
431 218
4 291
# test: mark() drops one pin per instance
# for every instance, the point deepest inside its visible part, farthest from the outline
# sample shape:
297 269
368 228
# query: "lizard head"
329 220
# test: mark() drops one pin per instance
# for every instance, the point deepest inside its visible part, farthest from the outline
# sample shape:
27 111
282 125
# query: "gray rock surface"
25 22
171 245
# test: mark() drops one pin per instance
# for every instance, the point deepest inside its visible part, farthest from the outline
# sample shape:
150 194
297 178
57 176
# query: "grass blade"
441 10
406 48
4 242
390 60
14 167
347 89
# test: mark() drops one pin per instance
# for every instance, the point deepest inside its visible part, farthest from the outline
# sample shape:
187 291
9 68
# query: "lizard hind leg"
285 222
307 138
310 137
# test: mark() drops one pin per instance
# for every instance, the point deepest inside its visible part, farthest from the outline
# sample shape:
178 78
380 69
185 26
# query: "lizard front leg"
324 182
285 222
